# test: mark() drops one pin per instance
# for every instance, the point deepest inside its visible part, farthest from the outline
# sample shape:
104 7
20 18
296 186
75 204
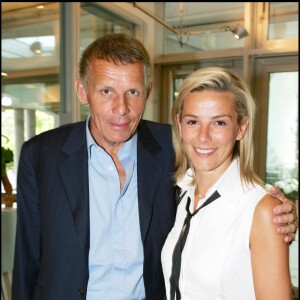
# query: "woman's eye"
220 123
191 122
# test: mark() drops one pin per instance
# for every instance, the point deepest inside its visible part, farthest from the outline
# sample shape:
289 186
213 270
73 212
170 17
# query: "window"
173 76
199 16
33 77
283 20
96 21
30 83
283 132
276 132
277 25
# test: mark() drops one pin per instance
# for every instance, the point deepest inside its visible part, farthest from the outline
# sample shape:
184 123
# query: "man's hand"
286 215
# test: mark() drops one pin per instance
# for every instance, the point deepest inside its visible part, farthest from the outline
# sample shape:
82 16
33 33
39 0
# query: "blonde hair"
219 80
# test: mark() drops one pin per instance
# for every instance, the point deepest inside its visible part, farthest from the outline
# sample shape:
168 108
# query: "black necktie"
176 258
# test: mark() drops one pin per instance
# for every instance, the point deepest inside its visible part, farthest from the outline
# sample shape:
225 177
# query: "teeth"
204 151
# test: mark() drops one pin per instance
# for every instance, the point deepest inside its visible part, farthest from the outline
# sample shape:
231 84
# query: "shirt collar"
229 184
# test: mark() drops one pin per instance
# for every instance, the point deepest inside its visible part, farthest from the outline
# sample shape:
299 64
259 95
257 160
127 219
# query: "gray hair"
118 48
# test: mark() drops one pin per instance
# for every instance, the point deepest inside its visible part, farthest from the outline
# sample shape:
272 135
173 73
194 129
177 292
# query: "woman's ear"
178 123
243 129
81 92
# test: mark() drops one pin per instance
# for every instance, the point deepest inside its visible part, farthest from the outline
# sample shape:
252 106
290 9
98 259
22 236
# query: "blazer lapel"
74 176
149 173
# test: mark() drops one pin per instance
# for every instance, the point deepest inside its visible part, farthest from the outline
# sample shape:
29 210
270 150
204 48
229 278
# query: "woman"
240 256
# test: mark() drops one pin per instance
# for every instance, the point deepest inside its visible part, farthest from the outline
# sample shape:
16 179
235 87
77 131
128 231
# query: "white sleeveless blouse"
216 259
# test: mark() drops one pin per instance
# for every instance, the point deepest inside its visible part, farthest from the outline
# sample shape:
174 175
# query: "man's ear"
149 88
81 92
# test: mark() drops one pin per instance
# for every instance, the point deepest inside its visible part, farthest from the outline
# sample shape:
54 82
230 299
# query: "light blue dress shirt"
116 250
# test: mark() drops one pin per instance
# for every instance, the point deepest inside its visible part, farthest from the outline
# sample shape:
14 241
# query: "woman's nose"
204 133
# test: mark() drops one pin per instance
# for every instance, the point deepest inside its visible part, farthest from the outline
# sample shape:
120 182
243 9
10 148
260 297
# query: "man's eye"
133 92
105 92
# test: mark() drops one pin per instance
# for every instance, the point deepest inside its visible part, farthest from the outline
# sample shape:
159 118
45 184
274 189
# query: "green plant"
289 187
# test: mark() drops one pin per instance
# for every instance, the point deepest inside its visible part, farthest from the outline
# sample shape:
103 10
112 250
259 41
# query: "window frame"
262 69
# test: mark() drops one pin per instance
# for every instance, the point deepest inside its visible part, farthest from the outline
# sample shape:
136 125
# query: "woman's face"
209 130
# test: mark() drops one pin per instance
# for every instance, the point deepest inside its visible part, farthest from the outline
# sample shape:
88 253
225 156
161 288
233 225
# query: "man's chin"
120 138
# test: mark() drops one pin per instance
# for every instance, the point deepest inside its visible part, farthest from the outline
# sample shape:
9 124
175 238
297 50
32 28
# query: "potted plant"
289 187
6 157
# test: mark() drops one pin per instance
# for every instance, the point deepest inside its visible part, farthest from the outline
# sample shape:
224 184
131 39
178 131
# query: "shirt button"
81 292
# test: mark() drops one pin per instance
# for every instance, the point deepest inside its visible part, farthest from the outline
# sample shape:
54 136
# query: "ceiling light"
36 47
6 101
238 31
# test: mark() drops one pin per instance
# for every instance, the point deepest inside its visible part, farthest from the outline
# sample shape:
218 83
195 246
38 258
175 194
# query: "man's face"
116 96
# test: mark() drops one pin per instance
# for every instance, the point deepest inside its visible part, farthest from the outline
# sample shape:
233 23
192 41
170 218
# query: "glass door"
173 76
282 130
277 131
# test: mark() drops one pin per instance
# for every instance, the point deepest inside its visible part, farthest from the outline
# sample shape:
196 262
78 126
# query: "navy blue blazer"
52 240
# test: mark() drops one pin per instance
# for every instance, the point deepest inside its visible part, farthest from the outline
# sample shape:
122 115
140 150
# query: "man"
96 199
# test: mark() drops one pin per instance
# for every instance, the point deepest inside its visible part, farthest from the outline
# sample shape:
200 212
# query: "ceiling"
15 6
15 13
201 13
19 18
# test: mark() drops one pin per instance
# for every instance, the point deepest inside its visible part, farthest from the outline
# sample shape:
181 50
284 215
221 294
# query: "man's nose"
121 106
